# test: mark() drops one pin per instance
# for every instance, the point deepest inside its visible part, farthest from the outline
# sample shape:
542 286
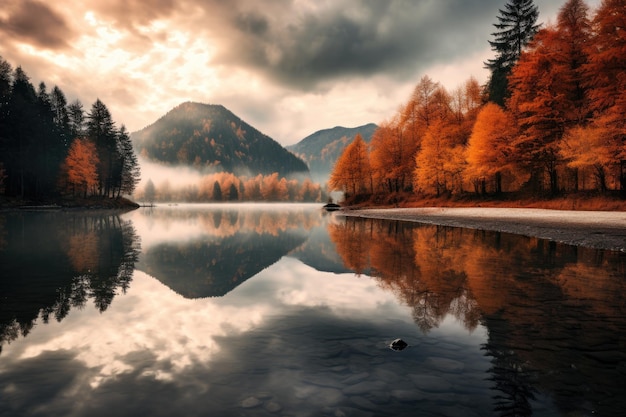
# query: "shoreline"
67 204
592 229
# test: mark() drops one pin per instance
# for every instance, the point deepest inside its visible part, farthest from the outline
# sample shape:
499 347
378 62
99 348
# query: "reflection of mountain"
232 243
319 252
51 262
209 267
555 313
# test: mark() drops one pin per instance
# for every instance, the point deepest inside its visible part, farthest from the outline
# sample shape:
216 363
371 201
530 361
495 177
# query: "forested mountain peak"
324 137
210 137
321 149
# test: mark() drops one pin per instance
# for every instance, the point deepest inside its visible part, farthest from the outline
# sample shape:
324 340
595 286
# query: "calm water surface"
288 311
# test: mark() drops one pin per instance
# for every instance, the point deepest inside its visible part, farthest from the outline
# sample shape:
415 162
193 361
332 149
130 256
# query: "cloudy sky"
287 67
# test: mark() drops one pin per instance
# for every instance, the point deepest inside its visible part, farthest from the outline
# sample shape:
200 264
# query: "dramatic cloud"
303 47
35 23
288 67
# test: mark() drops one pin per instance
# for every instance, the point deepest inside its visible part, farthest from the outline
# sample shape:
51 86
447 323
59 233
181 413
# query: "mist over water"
179 176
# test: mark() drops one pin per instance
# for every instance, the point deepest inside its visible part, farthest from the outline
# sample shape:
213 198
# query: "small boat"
331 207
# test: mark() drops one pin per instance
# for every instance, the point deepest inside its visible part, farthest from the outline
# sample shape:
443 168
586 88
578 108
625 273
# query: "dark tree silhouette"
217 191
38 127
515 28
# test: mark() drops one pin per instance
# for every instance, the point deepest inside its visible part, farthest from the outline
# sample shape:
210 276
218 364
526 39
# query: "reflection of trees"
513 382
230 220
57 261
353 245
555 313
237 244
404 260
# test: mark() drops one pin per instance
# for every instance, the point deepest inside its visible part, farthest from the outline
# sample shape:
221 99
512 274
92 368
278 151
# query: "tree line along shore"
548 128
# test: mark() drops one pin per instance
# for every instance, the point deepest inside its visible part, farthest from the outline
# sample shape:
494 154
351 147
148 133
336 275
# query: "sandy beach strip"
594 229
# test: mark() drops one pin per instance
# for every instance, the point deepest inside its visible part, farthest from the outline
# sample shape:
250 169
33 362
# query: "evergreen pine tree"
130 172
21 131
233 193
515 28
5 94
49 148
61 119
101 130
76 117
217 191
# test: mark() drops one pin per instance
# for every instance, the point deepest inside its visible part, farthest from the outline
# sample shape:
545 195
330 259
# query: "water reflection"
555 313
282 311
208 250
52 262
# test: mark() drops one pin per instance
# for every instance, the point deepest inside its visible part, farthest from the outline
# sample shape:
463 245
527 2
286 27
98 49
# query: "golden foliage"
80 166
352 172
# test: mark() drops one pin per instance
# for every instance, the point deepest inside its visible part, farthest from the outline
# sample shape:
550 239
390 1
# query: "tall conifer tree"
101 130
515 28
130 171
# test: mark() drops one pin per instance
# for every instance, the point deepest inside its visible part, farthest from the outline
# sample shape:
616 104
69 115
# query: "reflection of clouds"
150 317
179 332
293 283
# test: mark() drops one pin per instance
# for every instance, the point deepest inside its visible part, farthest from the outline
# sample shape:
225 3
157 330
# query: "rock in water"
398 344
250 402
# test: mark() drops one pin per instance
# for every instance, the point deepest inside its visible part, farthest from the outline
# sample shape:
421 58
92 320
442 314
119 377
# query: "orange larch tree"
81 166
535 101
490 150
606 80
439 163
545 98
584 149
548 93
352 172
570 55
392 156
605 75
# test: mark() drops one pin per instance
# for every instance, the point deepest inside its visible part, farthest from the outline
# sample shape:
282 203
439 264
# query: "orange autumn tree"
392 150
584 149
396 142
81 166
548 93
439 163
536 101
605 71
490 150
352 171
274 188
605 77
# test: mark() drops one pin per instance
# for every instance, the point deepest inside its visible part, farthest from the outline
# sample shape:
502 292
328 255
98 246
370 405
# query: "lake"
286 310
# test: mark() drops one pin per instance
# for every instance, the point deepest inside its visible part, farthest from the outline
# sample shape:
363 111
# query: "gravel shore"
594 229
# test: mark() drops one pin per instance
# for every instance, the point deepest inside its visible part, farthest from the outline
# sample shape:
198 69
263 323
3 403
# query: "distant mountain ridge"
321 149
211 138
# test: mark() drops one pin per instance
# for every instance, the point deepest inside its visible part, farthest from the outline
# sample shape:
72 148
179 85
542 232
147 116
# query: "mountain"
211 138
321 149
